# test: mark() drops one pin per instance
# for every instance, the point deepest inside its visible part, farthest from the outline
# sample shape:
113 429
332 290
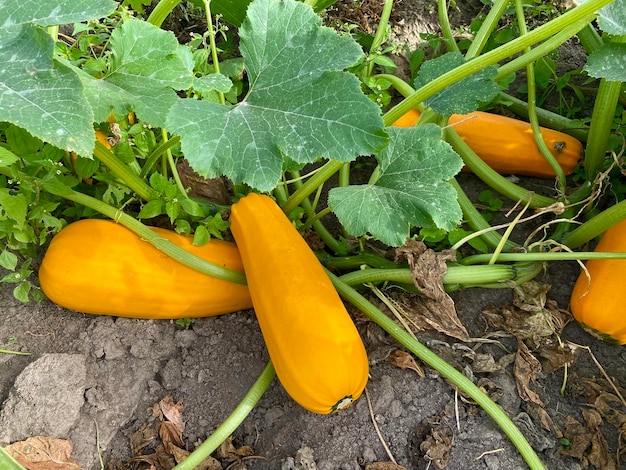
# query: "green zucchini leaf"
301 105
412 190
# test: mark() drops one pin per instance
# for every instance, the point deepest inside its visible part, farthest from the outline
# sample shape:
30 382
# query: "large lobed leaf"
300 106
39 97
463 96
412 190
52 12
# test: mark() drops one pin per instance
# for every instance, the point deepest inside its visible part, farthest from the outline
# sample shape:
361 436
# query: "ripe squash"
507 145
597 303
101 267
316 350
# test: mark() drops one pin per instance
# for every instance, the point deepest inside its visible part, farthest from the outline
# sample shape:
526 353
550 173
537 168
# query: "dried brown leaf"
434 308
526 369
558 355
228 452
437 447
173 412
43 453
484 363
599 455
169 434
144 437
531 316
404 360
161 459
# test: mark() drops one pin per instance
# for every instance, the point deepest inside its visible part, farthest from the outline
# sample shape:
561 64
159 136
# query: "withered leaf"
558 355
173 412
144 437
599 455
169 434
531 316
437 447
229 453
43 453
404 360
526 369
434 306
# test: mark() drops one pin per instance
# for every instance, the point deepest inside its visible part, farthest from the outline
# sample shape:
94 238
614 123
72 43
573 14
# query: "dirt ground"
94 381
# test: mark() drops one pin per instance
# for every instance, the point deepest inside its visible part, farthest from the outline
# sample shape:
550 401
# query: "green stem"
476 221
489 24
550 256
366 258
532 106
492 57
543 49
231 423
160 12
595 226
310 186
125 174
172 164
212 45
546 118
446 370
601 122
164 245
590 39
7 462
444 24
165 146
456 276
491 177
16 353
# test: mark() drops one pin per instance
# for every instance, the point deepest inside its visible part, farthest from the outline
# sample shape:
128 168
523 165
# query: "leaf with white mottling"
44 99
52 12
148 64
608 62
463 96
301 105
612 18
412 190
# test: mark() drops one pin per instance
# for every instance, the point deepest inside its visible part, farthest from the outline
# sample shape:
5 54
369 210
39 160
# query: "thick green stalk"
590 39
545 48
161 11
489 24
446 370
456 276
549 256
601 123
444 24
532 106
491 177
167 247
476 221
231 423
310 186
546 118
125 174
494 56
595 226
165 146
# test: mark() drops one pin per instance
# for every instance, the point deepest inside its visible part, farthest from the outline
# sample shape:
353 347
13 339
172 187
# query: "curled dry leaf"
526 369
531 316
434 308
404 360
436 447
587 441
43 453
229 453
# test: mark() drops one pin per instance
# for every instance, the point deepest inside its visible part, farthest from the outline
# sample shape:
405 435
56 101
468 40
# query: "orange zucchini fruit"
101 267
316 350
598 301
507 145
